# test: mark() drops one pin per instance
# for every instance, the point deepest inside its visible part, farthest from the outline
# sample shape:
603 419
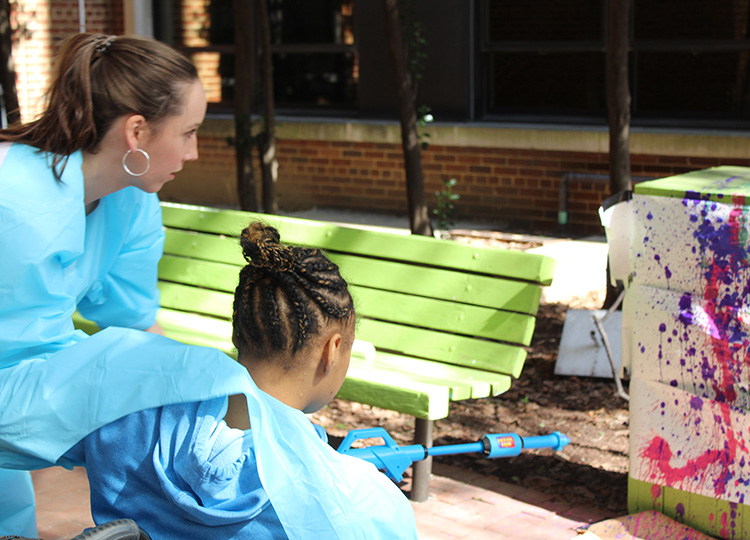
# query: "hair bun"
262 248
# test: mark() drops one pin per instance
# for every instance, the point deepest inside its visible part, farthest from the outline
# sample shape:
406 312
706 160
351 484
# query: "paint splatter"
696 403
711 347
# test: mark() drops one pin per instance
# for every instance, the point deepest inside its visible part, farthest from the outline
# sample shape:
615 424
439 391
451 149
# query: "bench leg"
420 484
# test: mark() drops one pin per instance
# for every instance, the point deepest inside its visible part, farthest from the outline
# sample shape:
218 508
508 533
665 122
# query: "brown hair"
97 79
285 297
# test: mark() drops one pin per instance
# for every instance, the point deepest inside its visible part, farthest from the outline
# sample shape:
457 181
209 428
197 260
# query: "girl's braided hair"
286 295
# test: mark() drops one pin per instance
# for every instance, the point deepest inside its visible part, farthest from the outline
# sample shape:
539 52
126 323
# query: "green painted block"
721 184
643 496
715 517
675 503
728 520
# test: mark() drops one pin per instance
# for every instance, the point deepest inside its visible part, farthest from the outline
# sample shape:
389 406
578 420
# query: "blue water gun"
393 459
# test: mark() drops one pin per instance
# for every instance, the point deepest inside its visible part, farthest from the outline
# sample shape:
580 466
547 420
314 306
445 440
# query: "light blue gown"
57 385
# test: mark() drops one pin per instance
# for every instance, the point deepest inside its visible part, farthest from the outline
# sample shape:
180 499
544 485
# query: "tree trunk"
7 66
267 139
244 76
618 102
419 220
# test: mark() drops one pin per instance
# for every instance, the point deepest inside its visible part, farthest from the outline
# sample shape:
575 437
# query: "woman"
80 228
252 466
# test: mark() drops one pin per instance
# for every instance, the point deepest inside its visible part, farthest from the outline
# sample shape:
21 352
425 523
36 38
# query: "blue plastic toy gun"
394 459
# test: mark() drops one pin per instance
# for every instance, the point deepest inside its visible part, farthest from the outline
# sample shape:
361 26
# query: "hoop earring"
127 169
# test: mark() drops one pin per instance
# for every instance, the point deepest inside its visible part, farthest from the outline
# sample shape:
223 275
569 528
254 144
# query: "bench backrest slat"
193 299
442 315
427 313
452 349
411 248
451 285
482 290
204 274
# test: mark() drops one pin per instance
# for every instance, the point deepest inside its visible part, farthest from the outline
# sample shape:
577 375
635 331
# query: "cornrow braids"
286 295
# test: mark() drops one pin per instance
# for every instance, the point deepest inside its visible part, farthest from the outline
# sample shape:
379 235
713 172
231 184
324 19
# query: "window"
314 61
544 59
314 57
690 60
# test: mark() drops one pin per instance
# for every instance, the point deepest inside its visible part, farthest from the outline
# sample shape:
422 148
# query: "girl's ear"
330 353
135 131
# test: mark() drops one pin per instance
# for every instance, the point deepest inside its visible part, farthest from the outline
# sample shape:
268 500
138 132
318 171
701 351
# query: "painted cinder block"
686 344
696 243
689 342
689 443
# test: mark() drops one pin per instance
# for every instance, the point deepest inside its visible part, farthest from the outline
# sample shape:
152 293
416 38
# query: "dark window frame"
638 48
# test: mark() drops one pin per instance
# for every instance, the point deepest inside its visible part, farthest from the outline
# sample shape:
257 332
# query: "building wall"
38 26
506 175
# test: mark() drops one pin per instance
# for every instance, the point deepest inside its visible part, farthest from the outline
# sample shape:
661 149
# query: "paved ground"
462 505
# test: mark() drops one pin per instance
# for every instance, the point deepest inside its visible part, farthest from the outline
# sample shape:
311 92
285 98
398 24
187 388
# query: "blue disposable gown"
181 472
57 385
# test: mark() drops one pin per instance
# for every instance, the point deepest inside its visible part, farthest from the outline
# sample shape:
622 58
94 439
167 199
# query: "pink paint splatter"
659 453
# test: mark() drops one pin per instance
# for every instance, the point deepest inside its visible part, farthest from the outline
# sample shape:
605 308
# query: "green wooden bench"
448 321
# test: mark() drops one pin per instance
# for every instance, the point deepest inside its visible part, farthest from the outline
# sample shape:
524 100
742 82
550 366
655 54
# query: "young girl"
252 465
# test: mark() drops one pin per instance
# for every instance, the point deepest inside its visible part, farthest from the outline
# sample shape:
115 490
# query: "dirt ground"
591 470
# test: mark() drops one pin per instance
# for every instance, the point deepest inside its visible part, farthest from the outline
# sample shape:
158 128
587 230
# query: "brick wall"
193 32
513 187
38 26
518 188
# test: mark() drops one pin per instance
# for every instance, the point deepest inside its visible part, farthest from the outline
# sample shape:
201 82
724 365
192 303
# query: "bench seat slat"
390 391
376 244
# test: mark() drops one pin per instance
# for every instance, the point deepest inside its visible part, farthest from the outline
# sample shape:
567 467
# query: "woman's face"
172 144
